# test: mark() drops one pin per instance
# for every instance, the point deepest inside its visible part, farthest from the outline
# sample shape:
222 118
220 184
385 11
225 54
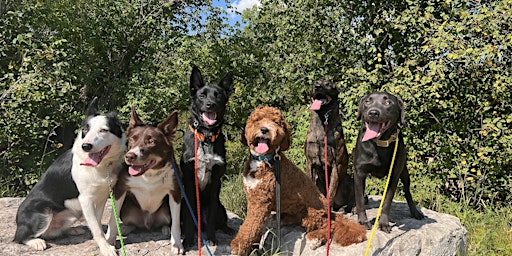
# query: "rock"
437 234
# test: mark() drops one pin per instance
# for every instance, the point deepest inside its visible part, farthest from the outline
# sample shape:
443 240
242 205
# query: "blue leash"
188 205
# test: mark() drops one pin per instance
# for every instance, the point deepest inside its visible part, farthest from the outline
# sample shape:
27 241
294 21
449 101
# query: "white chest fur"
205 164
151 187
249 181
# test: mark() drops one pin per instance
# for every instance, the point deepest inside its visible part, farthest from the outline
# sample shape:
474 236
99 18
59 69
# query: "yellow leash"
382 200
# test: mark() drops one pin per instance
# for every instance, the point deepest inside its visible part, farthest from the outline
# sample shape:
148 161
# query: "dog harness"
201 137
386 143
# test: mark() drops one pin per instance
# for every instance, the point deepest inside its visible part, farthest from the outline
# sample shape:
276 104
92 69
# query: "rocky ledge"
437 234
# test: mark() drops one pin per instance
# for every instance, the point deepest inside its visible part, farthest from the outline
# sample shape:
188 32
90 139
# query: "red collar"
201 137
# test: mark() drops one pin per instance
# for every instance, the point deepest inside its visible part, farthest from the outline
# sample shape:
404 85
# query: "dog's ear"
169 126
227 82
92 109
401 106
134 119
360 108
287 140
243 140
196 81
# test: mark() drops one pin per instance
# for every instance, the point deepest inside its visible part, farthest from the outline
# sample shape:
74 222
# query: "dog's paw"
365 224
111 241
126 229
385 227
177 248
417 214
237 248
108 250
166 231
314 243
36 244
189 242
212 242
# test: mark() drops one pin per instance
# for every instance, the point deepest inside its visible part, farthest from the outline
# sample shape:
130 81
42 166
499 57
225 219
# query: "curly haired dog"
266 134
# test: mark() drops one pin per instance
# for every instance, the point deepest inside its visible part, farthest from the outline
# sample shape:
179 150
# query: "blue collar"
265 158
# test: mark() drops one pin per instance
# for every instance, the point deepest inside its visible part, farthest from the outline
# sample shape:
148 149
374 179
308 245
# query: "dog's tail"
346 232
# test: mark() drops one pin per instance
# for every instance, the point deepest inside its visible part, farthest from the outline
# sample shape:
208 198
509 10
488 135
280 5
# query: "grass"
489 230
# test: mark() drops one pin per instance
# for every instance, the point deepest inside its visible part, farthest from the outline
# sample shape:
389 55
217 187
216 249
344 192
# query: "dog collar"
269 159
265 158
386 143
201 137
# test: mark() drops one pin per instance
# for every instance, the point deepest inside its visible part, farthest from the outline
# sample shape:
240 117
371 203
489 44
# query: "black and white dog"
206 120
76 184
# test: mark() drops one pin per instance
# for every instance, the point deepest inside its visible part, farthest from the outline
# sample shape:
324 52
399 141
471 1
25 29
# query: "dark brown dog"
267 134
381 114
147 194
325 111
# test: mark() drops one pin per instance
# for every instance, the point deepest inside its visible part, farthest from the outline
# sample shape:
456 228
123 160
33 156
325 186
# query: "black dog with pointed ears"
206 120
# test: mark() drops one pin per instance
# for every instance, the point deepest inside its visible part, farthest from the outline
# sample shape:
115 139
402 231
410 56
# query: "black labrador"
206 119
381 114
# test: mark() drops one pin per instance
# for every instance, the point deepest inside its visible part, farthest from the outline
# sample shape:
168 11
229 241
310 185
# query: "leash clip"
277 157
326 117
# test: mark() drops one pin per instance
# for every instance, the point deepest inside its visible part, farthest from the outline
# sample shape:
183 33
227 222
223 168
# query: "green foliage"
450 61
55 56
232 195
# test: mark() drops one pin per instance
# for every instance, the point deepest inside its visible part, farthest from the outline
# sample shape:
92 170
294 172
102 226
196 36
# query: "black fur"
54 187
369 158
205 98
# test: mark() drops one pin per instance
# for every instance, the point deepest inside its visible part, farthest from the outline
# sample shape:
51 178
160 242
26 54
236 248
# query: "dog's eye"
387 102
151 141
85 130
103 130
202 96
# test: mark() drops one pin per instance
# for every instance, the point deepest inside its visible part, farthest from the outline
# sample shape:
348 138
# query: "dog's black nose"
87 147
373 113
210 104
264 130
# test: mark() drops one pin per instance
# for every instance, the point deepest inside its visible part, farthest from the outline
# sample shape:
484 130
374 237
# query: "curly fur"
301 201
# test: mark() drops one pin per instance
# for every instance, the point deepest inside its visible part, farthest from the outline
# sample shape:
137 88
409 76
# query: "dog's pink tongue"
316 105
134 170
372 131
262 148
209 117
93 159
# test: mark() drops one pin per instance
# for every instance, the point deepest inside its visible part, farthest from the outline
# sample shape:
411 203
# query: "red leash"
327 194
197 195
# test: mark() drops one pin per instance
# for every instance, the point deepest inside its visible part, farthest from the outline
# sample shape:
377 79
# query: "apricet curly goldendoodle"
266 134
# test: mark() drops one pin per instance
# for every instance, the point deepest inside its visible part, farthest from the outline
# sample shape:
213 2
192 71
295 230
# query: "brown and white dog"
148 195
267 134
